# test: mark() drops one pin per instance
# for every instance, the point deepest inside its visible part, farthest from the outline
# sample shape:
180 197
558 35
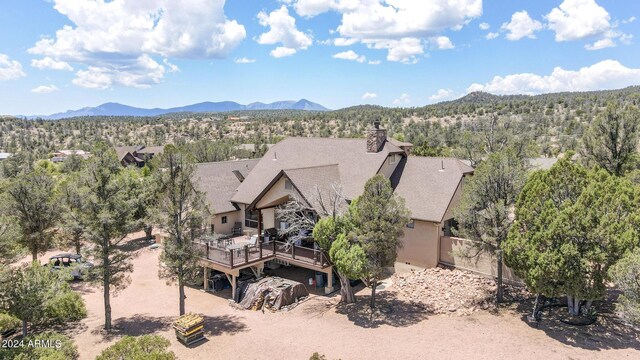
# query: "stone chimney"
376 138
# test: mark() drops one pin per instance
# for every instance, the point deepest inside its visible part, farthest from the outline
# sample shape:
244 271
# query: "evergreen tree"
485 211
571 226
626 275
183 211
35 206
107 220
379 217
612 140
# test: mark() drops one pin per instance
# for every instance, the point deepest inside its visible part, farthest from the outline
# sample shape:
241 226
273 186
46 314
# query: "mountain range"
116 109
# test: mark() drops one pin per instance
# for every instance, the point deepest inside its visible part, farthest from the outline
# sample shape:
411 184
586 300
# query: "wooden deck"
226 259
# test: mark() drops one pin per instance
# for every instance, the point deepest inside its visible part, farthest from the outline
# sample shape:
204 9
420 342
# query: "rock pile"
445 291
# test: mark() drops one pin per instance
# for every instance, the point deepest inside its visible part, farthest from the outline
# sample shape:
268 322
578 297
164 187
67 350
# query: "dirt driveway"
149 305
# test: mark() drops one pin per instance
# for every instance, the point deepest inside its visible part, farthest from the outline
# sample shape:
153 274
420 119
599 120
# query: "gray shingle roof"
219 182
316 181
428 184
355 165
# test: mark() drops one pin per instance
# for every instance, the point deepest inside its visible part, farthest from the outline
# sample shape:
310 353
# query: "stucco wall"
276 195
387 168
420 244
227 228
451 249
269 218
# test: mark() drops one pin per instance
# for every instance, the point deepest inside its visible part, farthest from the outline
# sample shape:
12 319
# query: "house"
137 155
5 155
249 192
62 155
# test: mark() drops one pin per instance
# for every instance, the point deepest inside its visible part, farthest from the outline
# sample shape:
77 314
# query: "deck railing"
233 258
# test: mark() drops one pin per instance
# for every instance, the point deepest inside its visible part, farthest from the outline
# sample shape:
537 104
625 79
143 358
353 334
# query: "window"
224 219
449 227
288 185
251 219
392 159
411 224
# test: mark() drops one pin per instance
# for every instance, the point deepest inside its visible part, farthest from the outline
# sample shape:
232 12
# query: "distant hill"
116 109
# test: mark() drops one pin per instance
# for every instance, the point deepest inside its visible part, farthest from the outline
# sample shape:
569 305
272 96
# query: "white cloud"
369 95
402 100
404 50
578 19
10 69
521 25
442 94
629 20
492 35
244 60
44 89
282 51
350 55
398 26
600 44
111 37
282 29
442 42
344 41
49 63
484 26
375 62
608 74
142 73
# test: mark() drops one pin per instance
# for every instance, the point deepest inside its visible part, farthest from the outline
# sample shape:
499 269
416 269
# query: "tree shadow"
389 311
608 332
138 325
136 244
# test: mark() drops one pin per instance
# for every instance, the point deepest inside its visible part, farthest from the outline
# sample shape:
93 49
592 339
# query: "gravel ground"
399 330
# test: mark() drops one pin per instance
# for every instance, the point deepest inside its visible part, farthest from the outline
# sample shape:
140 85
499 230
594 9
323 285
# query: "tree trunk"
24 328
346 291
499 293
181 289
374 285
34 254
76 241
573 305
148 229
107 303
106 280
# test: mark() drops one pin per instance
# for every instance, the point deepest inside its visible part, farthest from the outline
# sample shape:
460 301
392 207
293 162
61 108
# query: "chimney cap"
376 124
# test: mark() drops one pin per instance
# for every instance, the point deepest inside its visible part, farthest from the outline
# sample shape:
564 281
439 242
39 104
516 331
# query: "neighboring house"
5 155
302 167
137 155
62 155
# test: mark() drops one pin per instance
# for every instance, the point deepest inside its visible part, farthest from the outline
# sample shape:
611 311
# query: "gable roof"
153 150
428 184
219 183
355 166
122 151
315 181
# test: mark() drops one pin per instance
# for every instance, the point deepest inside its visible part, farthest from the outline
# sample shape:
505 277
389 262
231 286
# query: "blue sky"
66 54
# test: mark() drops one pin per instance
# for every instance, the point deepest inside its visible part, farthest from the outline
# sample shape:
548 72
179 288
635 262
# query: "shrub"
146 347
65 308
8 322
626 274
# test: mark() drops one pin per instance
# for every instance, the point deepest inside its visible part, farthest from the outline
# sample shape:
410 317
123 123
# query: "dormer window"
288 185
392 159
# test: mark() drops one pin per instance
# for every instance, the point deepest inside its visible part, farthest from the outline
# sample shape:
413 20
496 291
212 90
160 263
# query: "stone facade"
376 138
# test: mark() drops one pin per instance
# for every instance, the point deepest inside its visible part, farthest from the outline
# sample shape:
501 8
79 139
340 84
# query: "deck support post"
207 271
329 288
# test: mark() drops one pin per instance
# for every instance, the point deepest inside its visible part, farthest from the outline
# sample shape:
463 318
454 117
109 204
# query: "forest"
551 124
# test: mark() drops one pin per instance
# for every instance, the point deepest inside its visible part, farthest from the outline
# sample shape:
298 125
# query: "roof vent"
275 155
239 175
441 165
